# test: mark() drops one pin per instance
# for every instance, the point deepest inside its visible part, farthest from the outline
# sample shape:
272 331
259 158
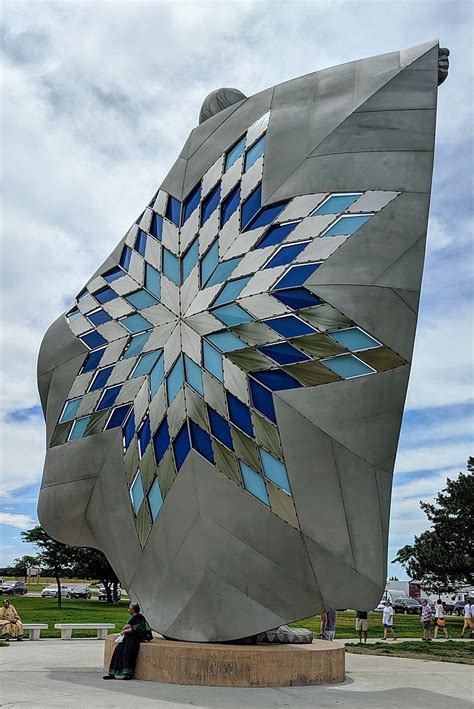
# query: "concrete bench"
34 629
67 628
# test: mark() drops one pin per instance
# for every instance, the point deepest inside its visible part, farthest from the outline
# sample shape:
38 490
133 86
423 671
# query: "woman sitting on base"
124 658
10 622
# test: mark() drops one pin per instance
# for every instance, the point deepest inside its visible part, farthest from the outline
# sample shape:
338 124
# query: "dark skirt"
124 657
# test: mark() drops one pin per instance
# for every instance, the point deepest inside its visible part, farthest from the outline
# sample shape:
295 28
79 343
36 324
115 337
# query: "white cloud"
442 371
426 487
433 457
22 454
453 233
16 520
445 427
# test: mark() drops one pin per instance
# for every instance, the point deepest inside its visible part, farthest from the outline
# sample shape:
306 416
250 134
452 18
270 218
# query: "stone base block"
225 665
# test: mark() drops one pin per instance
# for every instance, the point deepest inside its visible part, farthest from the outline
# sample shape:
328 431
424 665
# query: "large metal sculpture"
223 401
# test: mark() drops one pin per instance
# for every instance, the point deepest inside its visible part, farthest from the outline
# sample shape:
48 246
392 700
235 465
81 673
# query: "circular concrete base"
216 665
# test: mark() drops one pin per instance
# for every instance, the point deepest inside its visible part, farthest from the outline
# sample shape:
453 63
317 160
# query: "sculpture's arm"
443 64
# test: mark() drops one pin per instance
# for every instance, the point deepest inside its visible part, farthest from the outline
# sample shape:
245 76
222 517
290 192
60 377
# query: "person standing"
387 620
10 623
362 626
472 619
440 620
467 620
322 627
328 624
331 624
426 613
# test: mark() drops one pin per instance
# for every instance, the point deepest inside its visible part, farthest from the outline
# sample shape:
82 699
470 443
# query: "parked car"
79 592
459 606
52 591
407 605
13 588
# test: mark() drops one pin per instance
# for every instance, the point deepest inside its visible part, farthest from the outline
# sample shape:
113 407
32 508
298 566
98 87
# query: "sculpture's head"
223 399
218 100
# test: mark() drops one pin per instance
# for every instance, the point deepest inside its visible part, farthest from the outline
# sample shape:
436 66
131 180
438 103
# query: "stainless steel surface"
218 562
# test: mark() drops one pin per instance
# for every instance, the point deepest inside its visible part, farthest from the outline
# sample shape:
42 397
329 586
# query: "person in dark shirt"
124 658
362 626
328 624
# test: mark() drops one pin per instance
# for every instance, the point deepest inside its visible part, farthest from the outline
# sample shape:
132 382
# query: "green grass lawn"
449 651
45 610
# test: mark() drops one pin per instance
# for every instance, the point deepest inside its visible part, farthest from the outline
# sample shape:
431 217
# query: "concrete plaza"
58 673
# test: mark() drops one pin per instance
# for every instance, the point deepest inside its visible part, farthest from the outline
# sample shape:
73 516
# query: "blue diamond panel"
239 414
254 483
99 317
161 440
202 442
129 431
254 153
336 204
181 446
191 203
210 204
230 204
347 366
113 274
276 234
155 499
79 428
220 428
137 493
173 210
346 225
234 153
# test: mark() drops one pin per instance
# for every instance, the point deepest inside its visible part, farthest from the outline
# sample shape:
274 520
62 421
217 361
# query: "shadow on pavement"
322 696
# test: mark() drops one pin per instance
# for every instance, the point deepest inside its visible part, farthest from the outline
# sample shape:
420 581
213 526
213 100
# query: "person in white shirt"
387 620
467 619
440 620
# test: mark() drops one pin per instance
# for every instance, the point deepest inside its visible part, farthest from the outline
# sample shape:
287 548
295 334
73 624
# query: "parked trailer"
414 589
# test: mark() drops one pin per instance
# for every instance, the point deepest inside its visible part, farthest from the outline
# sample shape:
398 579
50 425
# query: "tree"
443 556
80 562
93 564
53 555
20 566
7 571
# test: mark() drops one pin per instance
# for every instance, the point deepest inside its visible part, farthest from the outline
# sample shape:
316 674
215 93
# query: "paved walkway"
68 675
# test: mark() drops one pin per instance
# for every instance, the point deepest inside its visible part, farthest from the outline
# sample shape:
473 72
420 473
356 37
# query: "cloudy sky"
97 100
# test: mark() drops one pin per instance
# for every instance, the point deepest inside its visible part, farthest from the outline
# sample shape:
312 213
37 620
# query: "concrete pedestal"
218 665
